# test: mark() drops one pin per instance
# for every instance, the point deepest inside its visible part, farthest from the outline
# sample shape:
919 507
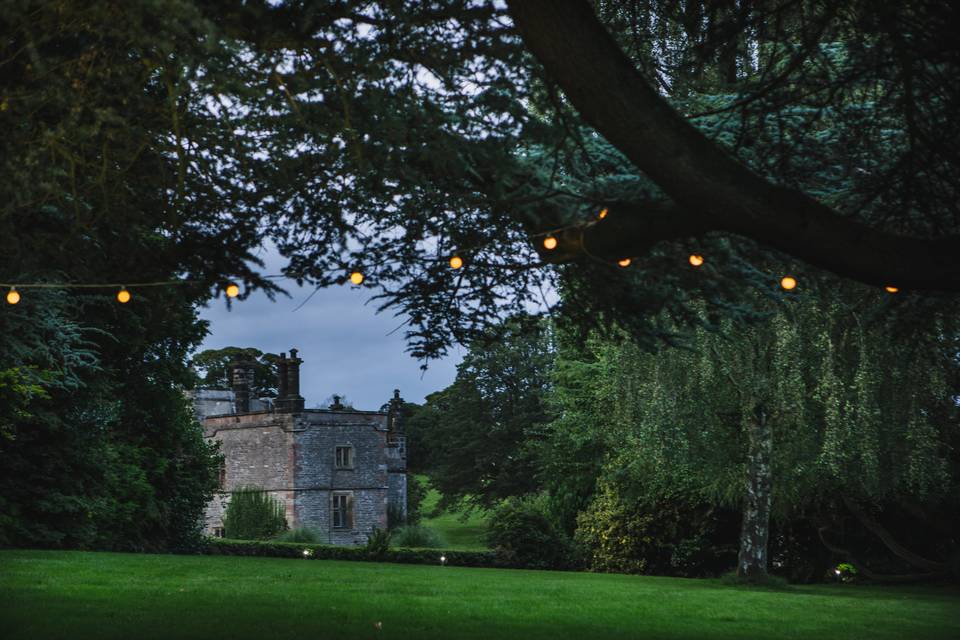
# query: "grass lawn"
461 534
56 594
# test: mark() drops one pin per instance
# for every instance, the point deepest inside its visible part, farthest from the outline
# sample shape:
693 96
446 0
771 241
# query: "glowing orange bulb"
696 260
356 277
456 262
603 213
550 242
232 290
891 289
789 283
13 296
123 296
624 263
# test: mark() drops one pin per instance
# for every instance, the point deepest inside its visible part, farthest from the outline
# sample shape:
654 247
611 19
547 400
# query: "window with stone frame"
343 457
342 511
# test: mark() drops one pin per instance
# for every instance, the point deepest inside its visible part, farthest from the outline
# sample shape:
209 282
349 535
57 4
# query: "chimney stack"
282 376
395 414
293 374
289 383
242 378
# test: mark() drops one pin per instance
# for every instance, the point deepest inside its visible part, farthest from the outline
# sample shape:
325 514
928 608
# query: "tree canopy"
770 137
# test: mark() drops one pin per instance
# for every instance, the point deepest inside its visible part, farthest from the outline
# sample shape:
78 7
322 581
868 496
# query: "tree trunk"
755 532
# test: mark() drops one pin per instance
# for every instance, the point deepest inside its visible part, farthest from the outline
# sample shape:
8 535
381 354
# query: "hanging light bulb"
550 243
456 262
789 283
603 213
232 290
13 296
123 296
624 263
891 289
696 260
356 277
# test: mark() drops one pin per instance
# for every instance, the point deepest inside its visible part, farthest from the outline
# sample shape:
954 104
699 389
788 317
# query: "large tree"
816 412
739 132
482 430
710 188
103 449
387 137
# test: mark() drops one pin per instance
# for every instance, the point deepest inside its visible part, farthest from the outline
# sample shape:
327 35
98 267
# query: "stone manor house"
336 470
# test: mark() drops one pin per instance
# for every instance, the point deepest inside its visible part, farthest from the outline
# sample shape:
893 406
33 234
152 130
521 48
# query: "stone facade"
315 462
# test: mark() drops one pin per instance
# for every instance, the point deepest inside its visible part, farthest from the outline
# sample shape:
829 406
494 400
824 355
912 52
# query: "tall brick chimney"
282 376
395 414
242 379
289 383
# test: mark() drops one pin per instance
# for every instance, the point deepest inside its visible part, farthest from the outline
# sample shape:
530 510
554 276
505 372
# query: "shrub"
522 534
668 538
378 543
224 547
417 536
253 514
300 534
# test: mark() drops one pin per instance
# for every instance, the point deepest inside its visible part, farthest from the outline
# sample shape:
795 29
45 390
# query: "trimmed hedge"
270 549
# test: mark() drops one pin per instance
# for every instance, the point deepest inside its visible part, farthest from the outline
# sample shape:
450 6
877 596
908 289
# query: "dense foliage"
676 536
99 447
386 137
413 535
523 533
253 514
479 431
650 458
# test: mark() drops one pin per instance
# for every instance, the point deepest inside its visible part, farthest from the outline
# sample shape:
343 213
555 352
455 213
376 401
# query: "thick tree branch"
630 229
611 95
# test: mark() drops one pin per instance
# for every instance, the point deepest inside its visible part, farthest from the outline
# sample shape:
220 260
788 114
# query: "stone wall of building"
257 450
315 508
318 434
293 456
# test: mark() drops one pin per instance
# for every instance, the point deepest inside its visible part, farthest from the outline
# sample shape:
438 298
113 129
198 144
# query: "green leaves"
253 514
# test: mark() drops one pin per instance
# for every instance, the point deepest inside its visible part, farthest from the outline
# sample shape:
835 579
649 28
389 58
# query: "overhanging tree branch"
612 96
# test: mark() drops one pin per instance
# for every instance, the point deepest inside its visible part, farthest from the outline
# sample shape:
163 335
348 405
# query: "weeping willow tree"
815 404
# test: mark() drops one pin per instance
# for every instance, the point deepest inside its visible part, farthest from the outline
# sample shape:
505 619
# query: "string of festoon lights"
456 261
123 295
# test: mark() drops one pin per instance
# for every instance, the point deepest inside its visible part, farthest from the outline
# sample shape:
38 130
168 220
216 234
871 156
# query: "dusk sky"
344 343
